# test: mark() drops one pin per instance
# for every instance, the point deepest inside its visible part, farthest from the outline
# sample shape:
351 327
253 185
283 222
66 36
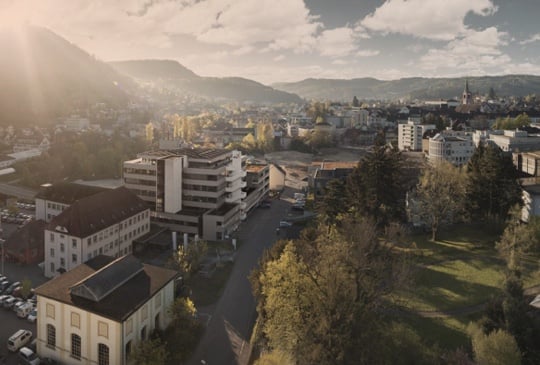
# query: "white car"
32 316
285 224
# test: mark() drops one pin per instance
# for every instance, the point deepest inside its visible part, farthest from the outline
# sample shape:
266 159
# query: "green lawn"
462 269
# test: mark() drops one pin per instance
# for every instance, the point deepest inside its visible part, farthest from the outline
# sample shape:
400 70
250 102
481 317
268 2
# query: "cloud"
432 19
531 39
338 42
368 53
476 52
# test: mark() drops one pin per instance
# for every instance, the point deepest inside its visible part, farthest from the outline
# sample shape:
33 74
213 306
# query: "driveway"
226 339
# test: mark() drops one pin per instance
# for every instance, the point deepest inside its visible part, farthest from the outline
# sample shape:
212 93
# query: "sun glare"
15 15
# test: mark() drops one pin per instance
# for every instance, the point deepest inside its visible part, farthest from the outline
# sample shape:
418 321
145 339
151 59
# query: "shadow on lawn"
438 290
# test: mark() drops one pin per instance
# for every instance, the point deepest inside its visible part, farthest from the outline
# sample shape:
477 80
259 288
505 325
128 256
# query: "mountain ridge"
411 87
183 80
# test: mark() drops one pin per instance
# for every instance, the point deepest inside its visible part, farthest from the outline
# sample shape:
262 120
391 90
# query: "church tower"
466 98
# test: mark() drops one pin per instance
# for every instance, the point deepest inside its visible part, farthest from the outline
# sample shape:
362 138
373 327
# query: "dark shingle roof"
97 212
122 301
68 193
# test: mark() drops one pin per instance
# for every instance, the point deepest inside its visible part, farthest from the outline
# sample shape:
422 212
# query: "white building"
97 312
53 199
101 224
531 202
516 141
194 191
410 135
452 146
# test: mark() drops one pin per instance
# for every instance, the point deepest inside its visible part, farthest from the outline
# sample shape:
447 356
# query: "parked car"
18 303
9 302
24 310
18 340
285 224
28 357
32 316
12 287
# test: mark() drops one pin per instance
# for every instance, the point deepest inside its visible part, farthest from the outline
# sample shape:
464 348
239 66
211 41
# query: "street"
226 339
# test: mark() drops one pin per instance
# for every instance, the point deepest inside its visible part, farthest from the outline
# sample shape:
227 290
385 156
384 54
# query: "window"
52 267
103 354
103 329
89 241
128 349
50 310
74 243
51 336
52 252
52 237
62 262
156 321
74 258
62 247
75 320
75 346
143 333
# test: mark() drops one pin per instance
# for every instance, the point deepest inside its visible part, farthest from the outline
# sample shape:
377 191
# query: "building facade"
194 191
454 147
101 224
258 184
99 311
410 135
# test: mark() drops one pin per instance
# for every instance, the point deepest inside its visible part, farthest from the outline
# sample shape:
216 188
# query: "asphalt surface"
226 339
17 191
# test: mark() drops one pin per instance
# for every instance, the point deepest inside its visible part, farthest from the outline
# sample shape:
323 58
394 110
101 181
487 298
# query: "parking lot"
10 323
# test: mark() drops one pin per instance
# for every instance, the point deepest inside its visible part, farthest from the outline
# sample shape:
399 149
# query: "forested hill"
173 75
43 76
413 88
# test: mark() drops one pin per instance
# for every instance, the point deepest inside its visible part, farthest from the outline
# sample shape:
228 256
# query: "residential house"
98 312
101 224
325 171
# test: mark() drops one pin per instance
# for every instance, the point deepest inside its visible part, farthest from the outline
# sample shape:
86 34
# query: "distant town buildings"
452 146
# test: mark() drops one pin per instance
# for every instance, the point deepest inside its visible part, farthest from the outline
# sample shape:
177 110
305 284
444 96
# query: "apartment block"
410 135
452 146
258 184
101 224
194 191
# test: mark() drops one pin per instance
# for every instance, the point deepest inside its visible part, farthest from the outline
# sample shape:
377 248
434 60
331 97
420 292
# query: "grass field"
457 273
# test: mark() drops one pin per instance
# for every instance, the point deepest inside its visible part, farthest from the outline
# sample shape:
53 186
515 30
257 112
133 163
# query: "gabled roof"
104 281
130 292
97 212
67 192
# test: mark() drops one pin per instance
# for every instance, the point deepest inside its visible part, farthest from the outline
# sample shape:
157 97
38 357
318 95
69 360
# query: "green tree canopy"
492 185
375 187
440 195
495 348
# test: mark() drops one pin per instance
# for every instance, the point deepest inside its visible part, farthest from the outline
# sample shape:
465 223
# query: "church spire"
466 98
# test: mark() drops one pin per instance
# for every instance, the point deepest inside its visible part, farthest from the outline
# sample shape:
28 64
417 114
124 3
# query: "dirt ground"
297 164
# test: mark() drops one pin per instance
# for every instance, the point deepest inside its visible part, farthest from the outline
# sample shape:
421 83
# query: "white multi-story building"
101 224
452 146
516 141
99 311
258 184
410 135
53 199
194 191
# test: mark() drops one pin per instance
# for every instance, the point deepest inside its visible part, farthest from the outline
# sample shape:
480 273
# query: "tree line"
325 297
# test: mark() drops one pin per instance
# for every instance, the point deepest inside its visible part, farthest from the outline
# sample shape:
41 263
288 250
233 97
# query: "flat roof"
255 167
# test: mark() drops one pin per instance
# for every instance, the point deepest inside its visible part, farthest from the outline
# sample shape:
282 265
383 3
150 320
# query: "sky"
290 40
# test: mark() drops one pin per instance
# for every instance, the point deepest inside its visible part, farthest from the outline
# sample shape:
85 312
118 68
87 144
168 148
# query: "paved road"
226 340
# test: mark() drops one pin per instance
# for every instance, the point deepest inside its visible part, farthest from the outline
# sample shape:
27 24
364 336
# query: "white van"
24 310
18 340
